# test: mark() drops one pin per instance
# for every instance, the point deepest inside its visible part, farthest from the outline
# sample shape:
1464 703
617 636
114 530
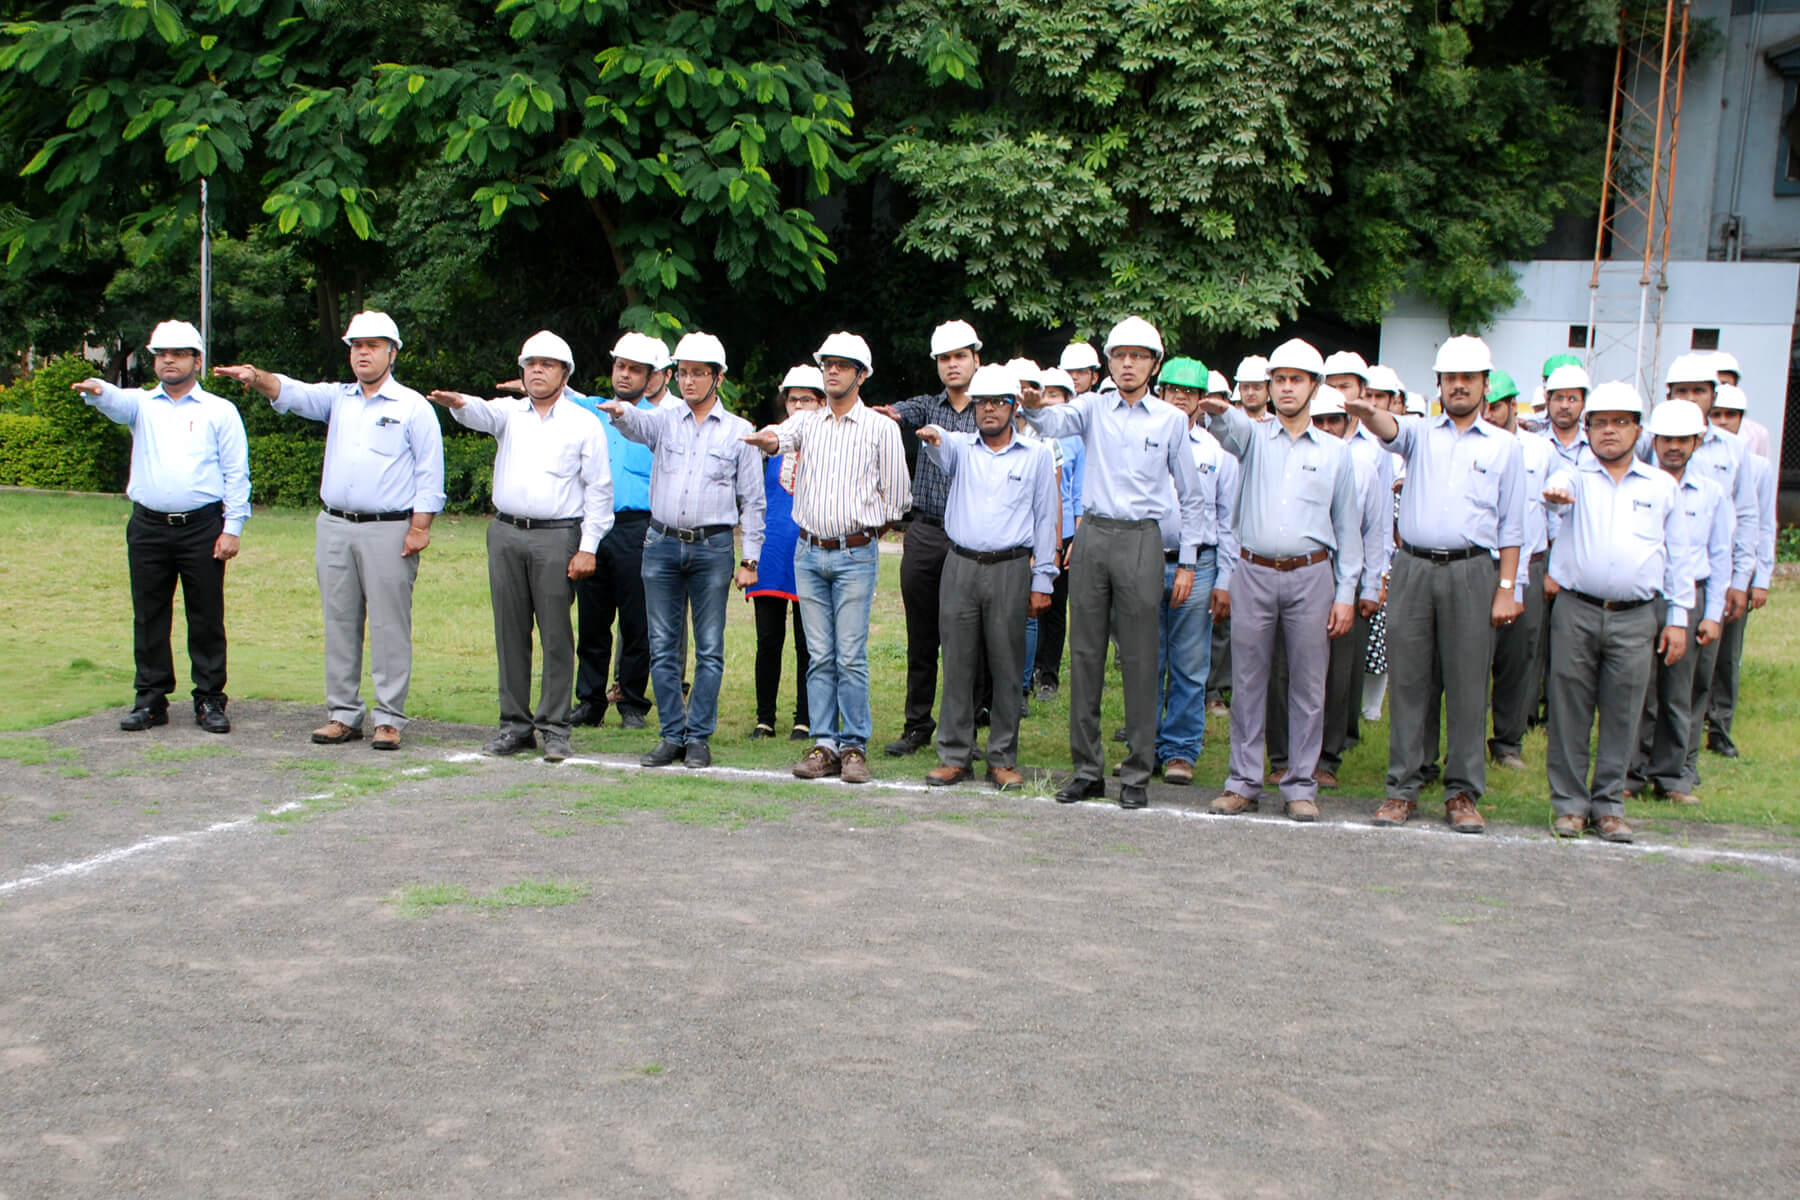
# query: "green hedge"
50 438
285 469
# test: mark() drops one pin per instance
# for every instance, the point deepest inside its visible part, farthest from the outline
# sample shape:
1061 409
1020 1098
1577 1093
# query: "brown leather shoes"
1461 814
387 737
1325 779
1394 812
1178 771
1610 829
1302 810
1681 798
945 776
1230 804
818 764
336 733
1276 775
853 765
1568 825
1005 778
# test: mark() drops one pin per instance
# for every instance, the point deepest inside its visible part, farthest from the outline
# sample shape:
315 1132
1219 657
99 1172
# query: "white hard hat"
544 344
1692 368
1254 369
1347 362
953 335
1079 356
1109 384
1216 382
994 380
1677 418
1057 377
642 348
844 344
1383 379
1297 355
1463 353
175 335
1026 371
1724 360
804 377
373 325
1416 406
701 347
1135 331
1616 396
1729 396
1327 401
1567 376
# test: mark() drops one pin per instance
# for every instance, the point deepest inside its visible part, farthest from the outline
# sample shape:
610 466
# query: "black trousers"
615 589
771 632
159 555
921 579
1053 627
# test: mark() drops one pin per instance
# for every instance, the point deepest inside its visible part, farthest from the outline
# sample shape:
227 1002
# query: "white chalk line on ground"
106 858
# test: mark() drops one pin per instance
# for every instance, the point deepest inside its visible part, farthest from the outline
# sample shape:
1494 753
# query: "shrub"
74 447
285 469
469 473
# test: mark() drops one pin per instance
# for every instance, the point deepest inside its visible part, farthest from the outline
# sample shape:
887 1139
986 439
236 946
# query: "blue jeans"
1030 653
678 576
1183 662
836 589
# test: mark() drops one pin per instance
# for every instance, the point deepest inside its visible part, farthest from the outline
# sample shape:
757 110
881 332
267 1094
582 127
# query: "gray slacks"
1342 702
1600 663
364 580
1722 696
528 576
1298 605
1669 735
1518 666
1115 587
981 605
1440 639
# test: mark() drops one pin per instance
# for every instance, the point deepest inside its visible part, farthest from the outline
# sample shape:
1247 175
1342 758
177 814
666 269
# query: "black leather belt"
1608 605
1174 556
1537 558
928 519
849 541
990 556
180 518
1443 556
538 522
399 514
689 536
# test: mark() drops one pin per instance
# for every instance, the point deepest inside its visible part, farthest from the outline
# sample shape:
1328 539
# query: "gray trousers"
528 576
1343 698
1722 697
1115 587
1298 605
1600 663
364 580
1218 681
981 606
1440 640
1670 732
1518 667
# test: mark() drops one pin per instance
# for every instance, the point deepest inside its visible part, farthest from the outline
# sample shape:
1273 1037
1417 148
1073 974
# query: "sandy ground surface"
857 993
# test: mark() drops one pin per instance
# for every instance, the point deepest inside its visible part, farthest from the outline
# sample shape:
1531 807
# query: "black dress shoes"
209 714
1131 796
139 719
587 713
664 754
698 755
511 743
1081 789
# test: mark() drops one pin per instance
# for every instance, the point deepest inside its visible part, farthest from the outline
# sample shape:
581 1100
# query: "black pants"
160 554
771 632
616 588
1052 627
921 579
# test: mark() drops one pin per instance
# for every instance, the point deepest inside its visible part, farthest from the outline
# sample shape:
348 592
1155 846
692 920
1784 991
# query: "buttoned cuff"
589 545
234 526
1677 616
753 549
1346 592
1740 579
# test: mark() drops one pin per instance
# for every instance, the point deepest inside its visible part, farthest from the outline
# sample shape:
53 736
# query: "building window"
1578 337
1704 339
1785 58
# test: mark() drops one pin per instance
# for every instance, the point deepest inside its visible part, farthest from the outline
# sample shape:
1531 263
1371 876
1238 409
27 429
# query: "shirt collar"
162 392
856 413
1016 443
1442 420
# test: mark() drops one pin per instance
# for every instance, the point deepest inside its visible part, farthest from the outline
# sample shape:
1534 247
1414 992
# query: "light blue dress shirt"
1000 499
1074 462
383 453
1569 456
1622 541
703 472
186 453
1708 525
1218 484
1132 449
1462 489
1762 477
1720 457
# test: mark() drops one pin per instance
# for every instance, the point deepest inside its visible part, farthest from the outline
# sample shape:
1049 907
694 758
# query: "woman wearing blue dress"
802 390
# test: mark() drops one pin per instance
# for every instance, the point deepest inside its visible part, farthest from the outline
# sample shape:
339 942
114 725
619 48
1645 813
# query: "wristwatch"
1506 585
748 562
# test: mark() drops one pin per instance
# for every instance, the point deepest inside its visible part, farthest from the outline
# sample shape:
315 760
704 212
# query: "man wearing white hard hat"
1298 523
382 485
1620 547
1462 521
1083 366
1666 761
1135 444
1754 433
1001 522
615 591
956 349
190 497
704 484
852 485
1253 388
1721 699
552 506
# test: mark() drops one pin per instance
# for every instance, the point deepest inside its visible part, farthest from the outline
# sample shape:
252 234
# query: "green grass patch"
421 899
33 751
181 754
651 1069
56 816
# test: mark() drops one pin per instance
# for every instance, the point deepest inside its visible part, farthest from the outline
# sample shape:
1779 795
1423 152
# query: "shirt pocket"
1644 521
564 461
386 436
1313 484
720 466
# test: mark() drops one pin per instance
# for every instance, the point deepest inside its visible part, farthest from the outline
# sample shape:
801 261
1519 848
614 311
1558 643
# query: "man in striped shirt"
852 483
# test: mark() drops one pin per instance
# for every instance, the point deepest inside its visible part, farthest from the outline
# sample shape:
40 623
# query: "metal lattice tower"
1631 245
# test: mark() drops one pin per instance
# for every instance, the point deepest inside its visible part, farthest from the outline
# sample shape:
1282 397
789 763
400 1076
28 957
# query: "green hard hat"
1184 372
1501 387
1559 360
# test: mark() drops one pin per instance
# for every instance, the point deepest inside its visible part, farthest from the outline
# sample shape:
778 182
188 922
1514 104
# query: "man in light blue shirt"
190 493
1000 519
1727 414
382 484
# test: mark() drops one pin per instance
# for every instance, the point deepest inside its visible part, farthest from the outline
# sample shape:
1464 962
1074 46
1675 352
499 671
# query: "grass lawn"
63 559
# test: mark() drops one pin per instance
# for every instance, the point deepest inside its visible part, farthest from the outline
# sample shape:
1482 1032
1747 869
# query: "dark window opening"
1578 335
1704 339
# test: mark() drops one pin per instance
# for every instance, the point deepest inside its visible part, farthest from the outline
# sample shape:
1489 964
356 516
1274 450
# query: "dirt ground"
857 993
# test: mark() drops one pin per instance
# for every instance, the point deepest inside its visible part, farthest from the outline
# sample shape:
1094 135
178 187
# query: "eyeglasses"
1622 422
690 373
1132 354
993 401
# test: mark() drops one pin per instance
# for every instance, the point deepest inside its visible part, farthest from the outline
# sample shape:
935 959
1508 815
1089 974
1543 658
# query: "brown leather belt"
849 541
1286 564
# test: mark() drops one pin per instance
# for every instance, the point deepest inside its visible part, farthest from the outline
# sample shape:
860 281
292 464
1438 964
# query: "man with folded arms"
553 504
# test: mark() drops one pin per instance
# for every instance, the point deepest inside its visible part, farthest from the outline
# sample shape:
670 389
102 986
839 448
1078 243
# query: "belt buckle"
690 536
1439 556
522 522
176 518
